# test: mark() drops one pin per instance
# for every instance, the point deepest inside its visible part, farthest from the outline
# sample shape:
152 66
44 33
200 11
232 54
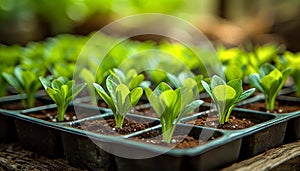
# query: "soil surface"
281 106
107 126
17 104
212 121
180 141
51 114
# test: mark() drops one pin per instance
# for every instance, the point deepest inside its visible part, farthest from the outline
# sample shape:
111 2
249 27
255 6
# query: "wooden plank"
285 157
14 158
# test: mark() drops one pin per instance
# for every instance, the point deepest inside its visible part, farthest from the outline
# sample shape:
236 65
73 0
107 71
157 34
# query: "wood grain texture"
285 157
14 158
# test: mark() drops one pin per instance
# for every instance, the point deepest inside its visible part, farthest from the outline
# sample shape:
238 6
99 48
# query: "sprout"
62 91
120 98
226 96
269 81
171 105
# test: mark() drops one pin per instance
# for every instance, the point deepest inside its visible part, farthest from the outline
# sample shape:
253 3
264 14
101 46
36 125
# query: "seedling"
171 105
62 91
120 98
226 95
24 81
269 81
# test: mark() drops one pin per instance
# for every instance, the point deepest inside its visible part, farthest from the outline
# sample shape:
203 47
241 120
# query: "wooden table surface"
285 157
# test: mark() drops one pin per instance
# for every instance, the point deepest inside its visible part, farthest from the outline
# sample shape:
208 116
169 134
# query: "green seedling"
120 98
226 95
269 81
171 105
62 91
24 81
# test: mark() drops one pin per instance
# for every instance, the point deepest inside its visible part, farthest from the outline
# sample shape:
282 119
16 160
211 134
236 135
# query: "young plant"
24 81
269 81
62 91
120 98
171 105
226 95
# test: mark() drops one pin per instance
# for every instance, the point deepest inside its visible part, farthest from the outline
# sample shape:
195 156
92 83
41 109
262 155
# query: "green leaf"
161 88
216 81
174 80
119 74
233 72
56 83
254 79
207 88
224 93
236 84
273 78
266 69
105 97
122 101
155 102
136 81
123 92
54 95
135 95
191 107
246 94
12 81
168 97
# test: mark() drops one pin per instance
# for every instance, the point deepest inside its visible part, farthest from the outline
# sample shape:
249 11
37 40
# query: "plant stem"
168 134
297 82
30 100
119 119
270 103
61 113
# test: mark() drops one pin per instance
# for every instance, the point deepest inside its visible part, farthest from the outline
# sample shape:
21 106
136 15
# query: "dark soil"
17 104
180 141
281 106
107 126
51 114
212 121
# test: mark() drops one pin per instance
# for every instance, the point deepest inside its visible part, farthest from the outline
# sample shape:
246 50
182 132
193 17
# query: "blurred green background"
229 22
